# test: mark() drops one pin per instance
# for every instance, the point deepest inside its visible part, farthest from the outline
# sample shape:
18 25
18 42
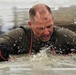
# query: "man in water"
41 33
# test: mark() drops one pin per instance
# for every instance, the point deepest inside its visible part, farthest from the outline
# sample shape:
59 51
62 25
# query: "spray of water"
44 59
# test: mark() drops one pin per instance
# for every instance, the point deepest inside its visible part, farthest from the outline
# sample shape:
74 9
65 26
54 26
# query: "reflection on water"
43 63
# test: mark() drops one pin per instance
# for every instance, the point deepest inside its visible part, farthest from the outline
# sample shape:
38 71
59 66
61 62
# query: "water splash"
44 59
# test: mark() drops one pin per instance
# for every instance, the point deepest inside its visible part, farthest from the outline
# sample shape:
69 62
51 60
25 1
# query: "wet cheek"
38 33
51 30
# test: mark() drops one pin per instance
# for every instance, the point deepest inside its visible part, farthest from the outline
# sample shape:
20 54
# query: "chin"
45 40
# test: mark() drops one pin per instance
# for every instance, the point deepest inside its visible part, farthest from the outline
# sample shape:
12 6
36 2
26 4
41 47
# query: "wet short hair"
34 9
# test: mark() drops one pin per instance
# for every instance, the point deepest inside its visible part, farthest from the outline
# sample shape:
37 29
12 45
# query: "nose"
46 31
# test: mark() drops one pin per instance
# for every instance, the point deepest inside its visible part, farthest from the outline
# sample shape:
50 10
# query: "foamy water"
43 63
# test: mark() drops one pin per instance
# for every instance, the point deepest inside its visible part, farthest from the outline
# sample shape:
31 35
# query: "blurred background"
14 13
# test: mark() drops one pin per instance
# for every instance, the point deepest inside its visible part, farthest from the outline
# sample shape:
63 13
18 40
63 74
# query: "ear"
29 23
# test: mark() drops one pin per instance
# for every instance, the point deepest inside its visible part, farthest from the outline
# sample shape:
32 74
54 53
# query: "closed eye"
41 28
48 26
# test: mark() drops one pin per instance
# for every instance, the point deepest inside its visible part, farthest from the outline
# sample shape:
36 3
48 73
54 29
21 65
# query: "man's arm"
66 36
8 41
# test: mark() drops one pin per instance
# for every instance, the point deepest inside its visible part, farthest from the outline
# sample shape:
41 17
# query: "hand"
4 52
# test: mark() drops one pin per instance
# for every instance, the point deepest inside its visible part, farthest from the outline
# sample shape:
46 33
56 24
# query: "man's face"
43 28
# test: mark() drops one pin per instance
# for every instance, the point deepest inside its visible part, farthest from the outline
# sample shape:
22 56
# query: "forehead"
42 15
43 19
